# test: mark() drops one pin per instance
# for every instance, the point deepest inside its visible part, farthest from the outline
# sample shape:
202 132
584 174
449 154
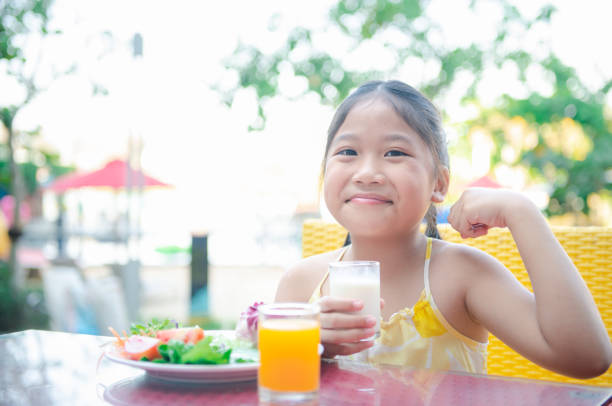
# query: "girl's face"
379 174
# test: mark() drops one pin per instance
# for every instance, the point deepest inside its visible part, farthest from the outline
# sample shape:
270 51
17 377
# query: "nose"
368 172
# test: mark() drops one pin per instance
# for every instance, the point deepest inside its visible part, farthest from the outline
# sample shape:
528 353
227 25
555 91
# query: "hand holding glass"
358 280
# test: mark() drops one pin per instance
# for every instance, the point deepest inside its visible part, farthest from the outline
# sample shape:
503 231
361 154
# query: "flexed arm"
558 326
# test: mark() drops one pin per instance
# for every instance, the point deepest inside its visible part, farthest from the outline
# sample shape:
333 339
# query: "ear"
441 186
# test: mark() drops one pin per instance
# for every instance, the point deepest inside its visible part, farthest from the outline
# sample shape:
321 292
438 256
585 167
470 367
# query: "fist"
479 209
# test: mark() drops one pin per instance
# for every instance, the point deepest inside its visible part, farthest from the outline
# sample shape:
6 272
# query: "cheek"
329 189
333 182
415 189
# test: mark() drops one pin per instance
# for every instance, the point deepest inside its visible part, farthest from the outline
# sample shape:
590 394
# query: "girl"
385 165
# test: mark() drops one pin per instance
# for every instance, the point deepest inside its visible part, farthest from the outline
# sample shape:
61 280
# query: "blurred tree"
406 30
564 138
574 149
22 22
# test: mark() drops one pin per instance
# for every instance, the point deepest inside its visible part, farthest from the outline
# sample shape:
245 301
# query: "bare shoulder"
470 271
472 262
460 273
300 279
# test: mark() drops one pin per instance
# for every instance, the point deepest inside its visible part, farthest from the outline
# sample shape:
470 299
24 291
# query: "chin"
366 228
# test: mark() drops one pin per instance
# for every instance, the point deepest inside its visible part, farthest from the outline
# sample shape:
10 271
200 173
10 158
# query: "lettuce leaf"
204 351
207 352
174 350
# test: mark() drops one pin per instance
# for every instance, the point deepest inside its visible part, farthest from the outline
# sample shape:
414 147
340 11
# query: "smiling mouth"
368 200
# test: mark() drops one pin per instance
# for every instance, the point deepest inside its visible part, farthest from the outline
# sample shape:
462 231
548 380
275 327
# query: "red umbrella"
484 181
114 174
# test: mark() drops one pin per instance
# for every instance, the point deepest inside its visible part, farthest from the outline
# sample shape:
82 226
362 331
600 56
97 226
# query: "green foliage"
375 15
7 114
572 179
368 20
37 160
20 309
20 18
21 21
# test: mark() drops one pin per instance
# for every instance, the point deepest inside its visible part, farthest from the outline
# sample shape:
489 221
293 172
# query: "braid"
432 228
347 241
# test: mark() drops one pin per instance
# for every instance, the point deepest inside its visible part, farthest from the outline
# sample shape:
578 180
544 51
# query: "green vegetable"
173 351
205 352
242 351
152 327
242 360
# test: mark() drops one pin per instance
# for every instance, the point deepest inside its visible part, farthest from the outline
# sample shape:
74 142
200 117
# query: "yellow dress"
421 337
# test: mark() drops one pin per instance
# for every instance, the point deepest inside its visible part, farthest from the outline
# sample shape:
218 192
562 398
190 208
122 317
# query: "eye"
347 152
395 152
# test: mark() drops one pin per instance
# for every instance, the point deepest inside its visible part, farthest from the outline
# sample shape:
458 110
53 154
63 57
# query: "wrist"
520 211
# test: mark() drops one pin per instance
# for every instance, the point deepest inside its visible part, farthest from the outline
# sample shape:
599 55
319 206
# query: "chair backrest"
590 248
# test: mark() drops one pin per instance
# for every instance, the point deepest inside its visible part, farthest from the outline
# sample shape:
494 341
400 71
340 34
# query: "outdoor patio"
92 303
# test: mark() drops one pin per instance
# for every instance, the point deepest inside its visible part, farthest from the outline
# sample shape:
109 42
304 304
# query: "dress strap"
426 267
317 294
480 346
342 252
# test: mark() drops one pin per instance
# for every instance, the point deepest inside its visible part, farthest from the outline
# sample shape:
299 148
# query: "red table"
50 368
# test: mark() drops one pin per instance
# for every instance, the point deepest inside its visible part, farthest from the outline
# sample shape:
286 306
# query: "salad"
164 341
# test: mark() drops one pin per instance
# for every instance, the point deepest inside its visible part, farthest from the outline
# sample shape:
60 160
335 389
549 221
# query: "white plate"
194 373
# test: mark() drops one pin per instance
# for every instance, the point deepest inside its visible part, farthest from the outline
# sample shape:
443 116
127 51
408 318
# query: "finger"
331 350
458 224
456 207
344 336
478 232
338 304
455 215
462 224
451 214
343 320
382 303
476 226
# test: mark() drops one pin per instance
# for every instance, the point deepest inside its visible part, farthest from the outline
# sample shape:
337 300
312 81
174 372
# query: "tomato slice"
137 347
185 334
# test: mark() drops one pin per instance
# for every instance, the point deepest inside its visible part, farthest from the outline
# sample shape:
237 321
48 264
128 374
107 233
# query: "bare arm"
559 326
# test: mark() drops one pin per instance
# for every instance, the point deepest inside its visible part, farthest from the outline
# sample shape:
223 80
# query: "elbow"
606 360
596 367
595 370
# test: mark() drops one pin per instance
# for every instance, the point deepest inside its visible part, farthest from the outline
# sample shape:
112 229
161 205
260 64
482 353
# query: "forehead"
376 117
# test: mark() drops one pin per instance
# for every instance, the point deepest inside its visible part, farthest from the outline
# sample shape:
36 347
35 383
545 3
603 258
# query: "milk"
357 280
366 290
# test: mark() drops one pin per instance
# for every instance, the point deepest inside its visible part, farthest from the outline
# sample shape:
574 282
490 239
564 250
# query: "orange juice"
289 354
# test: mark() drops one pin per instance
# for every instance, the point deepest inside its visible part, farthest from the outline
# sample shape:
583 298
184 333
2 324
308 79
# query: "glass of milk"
358 280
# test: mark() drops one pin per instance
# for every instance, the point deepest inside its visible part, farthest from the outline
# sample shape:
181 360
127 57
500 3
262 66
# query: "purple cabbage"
247 324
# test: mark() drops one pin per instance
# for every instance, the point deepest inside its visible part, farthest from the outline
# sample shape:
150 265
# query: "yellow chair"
590 248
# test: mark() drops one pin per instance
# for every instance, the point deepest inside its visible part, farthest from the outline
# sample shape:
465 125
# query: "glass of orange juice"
288 339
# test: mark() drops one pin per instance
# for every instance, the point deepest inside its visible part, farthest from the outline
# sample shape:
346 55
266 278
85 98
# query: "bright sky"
222 174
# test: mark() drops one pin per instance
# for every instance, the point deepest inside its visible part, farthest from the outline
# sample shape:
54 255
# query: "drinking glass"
358 280
288 337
